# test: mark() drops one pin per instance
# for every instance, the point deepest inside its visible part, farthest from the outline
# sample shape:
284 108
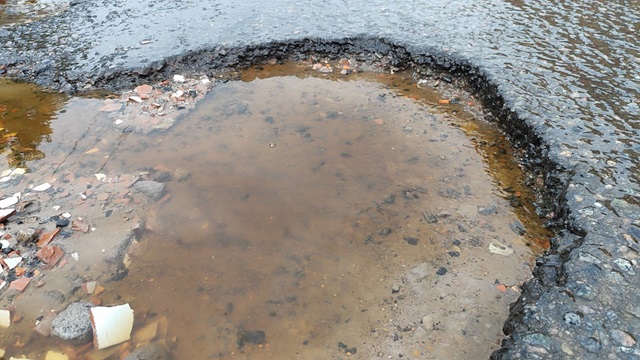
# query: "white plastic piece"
178 78
6 212
42 187
101 177
5 318
135 98
4 244
111 325
13 261
118 122
75 256
10 201
56 207
66 215
500 250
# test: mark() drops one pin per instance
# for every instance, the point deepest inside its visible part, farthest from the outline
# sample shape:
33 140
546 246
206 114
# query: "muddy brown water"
341 218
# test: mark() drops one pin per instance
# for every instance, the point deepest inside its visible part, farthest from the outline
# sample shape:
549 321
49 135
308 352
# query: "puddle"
305 218
25 116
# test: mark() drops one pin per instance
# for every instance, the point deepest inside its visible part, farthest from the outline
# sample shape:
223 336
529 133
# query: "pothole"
295 213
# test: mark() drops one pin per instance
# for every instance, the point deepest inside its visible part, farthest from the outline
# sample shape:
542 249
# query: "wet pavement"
566 75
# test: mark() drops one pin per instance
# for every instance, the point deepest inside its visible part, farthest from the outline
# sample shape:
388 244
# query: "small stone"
411 240
26 235
429 217
43 326
179 78
623 338
488 210
62 222
379 121
251 337
182 174
395 288
572 318
152 189
155 351
427 321
74 323
441 271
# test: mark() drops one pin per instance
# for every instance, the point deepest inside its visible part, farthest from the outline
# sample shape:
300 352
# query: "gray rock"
74 323
488 210
26 235
182 174
152 189
153 351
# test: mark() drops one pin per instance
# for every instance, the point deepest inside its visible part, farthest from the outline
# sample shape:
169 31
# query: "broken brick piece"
50 255
20 284
47 237
80 225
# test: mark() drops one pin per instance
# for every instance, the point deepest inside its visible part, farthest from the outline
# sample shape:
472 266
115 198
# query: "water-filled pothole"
297 217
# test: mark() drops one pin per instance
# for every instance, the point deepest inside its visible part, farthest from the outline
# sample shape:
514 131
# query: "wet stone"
251 337
153 351
73 323
429 217
517 227
346 348
411 240
152 189
395 288
390 199
591 344
441 271
26 235
572 319
488 210
623 338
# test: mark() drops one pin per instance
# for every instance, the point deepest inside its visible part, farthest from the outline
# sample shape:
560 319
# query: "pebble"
182 174
488 210
429 217
441 271
26 235
152 189
395 288
623 338
427 321
74 323
411 240
153 351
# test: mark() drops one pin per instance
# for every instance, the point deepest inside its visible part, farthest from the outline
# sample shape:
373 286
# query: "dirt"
301 218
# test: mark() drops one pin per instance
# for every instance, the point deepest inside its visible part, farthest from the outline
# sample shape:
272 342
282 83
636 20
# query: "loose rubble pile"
62 242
